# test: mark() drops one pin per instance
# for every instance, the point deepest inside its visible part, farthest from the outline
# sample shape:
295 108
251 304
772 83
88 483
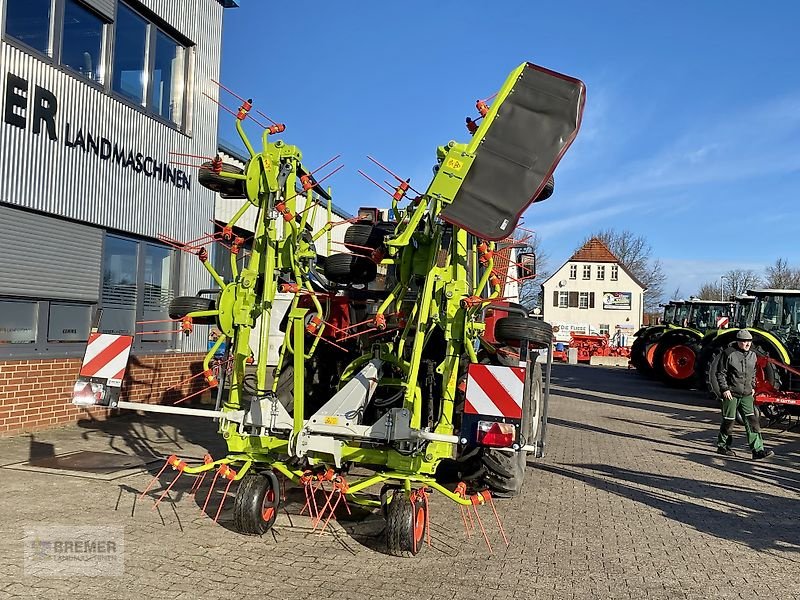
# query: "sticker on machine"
494 390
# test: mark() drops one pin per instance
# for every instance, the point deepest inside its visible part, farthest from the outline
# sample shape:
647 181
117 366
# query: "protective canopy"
535 125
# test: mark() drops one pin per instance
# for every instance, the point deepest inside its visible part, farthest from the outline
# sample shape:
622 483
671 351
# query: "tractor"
644 345
390 383
677 350
773 318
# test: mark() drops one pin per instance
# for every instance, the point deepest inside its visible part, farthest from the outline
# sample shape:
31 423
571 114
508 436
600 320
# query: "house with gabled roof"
593 292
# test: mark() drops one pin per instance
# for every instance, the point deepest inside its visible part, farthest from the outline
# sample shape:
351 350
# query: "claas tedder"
395 381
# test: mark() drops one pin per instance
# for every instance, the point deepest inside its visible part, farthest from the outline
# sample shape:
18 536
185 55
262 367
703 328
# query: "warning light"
495 435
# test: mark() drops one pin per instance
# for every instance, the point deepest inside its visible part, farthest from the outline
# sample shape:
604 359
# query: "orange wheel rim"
651 354
419 525
267 508
679 362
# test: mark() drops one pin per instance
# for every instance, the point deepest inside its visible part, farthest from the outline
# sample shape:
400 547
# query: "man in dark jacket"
736 375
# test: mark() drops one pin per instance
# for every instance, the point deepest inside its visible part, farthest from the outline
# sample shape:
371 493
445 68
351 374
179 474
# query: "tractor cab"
705 315
743 312
777 312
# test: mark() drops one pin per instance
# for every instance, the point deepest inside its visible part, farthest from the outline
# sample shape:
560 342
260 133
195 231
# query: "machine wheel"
361 236
405 524
227 188
255 506
675 358
638 359
183 305
516 329
547 190
350 268
504 472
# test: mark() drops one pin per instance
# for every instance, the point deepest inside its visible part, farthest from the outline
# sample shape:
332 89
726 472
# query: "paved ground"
630 502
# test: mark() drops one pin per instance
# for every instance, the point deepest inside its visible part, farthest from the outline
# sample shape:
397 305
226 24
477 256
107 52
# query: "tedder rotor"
397 380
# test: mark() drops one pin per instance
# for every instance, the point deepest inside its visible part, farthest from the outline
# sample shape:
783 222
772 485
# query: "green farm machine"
394 385
670 352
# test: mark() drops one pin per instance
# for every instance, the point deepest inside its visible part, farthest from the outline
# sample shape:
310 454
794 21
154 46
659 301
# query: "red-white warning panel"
106 357
494 390
723 322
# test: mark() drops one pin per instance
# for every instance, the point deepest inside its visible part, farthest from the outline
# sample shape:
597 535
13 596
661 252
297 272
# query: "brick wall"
37 394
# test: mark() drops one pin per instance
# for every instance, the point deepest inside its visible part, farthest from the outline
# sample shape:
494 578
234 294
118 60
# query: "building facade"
594 293
100 98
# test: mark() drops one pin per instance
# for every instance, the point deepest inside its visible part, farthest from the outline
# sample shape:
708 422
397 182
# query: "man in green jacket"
736 375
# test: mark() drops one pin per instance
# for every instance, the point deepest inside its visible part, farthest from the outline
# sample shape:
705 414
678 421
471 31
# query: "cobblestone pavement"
630 502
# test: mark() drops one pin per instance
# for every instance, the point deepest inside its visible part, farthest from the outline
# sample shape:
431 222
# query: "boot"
761 454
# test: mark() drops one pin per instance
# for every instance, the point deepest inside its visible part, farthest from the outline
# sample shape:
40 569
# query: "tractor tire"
406 524
350 268
183 305
359 237
547 190
255 506
227 188
504 472
512 330
675 358
638 359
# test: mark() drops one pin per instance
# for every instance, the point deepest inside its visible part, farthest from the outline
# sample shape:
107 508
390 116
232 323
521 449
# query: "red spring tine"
154 479
230 91
375 182
266 117
336 170
211 489
483 530
400 179
222 500
333 509
325 165
499 523
166 491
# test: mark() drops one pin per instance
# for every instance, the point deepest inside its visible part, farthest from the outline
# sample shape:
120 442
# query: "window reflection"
29 22
82 41
130 43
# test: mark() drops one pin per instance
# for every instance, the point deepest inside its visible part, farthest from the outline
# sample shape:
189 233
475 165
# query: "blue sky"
691 132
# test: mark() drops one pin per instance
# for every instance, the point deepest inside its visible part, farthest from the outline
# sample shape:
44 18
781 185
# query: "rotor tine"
222 500
154 479
211 489
333 510
166 491
483 531
499 523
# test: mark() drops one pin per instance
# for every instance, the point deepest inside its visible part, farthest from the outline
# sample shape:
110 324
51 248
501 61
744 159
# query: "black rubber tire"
183 305
255 506
227 188
709 359
504 472
361 236
638 359
676 339
401 516
547 190
512 330
350 268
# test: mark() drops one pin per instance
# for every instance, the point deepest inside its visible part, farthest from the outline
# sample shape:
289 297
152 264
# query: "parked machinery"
396 380
773 318
644 346
676 352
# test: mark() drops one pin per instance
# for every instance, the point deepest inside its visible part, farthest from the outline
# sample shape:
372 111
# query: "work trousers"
745 407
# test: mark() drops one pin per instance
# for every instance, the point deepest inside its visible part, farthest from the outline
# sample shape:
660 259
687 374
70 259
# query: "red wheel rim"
679 362
651 353
419 525
267 506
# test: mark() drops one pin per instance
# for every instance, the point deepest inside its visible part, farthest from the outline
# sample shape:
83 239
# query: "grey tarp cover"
535 125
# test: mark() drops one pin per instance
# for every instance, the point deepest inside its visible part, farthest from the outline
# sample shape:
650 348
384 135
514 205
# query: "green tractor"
644 345
676 352
773 318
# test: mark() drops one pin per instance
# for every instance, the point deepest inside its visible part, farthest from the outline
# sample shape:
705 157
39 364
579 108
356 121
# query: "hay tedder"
385 376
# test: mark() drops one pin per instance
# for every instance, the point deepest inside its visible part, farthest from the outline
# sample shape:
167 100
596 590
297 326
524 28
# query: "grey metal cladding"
534 127
105 8
43 257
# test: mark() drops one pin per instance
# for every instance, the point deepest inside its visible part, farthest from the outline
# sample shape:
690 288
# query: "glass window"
604 329
601 272
583 300
119 285
130 43
18 320
82 41
563 299
69 322
573 271
587 271
166 97
614 272
158 289
29 22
